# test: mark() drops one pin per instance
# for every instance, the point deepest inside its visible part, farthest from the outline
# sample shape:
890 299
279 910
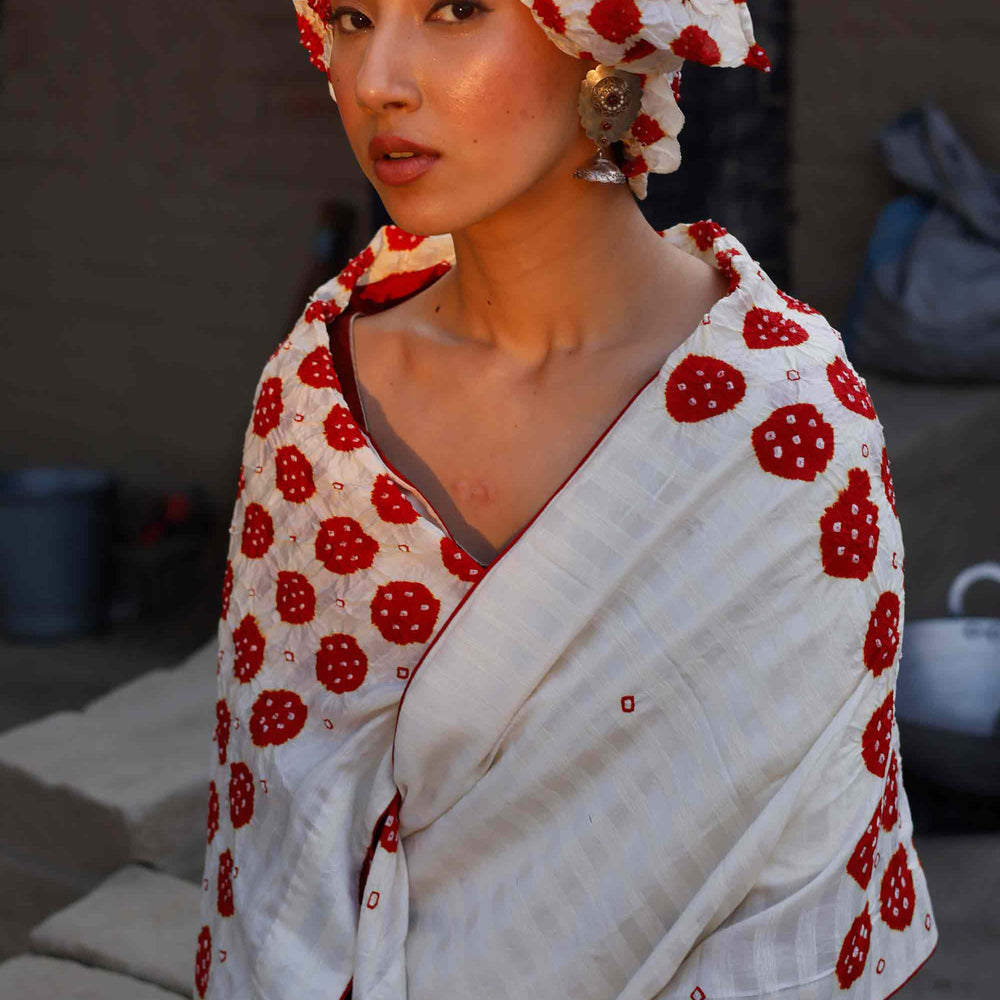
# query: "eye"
348 21
463 10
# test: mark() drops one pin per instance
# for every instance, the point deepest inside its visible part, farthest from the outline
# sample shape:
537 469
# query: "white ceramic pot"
948 693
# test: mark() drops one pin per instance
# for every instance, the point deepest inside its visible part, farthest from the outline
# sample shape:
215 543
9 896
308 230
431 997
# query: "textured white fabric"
648 754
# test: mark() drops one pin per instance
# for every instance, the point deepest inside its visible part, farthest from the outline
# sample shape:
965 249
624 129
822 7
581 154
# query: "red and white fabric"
649 753
651 38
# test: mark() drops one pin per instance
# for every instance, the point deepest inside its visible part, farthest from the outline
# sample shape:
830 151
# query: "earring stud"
609 103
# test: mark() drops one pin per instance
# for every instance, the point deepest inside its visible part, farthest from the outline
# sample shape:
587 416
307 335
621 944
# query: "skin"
540 310
488 90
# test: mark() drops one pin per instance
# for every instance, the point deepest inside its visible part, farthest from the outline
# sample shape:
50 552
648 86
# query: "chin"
432 216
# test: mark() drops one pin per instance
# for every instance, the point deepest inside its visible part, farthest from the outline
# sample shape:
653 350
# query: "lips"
384 144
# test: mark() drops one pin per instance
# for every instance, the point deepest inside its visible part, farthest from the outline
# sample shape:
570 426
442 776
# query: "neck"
552 274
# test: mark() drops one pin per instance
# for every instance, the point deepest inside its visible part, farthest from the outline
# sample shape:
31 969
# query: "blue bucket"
55 551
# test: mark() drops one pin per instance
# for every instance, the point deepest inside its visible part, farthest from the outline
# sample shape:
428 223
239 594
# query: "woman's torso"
488 448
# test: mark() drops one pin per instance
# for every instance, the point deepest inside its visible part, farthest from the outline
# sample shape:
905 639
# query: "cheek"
502 99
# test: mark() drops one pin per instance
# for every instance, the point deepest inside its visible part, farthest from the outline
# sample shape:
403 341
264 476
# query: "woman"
560 627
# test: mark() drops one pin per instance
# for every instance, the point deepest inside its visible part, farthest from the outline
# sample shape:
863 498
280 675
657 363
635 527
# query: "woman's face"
477 82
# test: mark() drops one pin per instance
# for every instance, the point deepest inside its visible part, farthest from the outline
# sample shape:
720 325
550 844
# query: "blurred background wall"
856 65
163 166
162 169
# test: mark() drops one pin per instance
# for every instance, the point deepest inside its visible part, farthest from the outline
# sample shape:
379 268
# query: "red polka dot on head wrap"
652 38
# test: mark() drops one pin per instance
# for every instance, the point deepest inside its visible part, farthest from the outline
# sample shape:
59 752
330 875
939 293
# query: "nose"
385 79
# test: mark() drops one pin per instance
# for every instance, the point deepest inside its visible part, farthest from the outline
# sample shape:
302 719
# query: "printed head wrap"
651 38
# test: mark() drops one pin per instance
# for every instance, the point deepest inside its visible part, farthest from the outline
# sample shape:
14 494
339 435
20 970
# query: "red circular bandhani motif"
316 370
389 502
698 45
312 43
724 258
324 8
323 310
615 20
861 863
896 894
848 388
341 664
765 328
404 611
213 811
634 165
876 738
647 130
890 797
400 239
221 735
294 598
268 408
705 233
225 884
258 531
248 649
277 716
701 387
640 50
882 639
854 950
293 474
241 792
227 589
795 442
203 961
757 58
458 562
341 432
550 15
356 267
343 547
849 530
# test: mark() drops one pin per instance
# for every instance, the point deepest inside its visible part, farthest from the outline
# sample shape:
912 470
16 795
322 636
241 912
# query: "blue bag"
927 303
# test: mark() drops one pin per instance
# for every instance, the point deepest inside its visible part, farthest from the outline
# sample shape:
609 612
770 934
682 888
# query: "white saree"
649 753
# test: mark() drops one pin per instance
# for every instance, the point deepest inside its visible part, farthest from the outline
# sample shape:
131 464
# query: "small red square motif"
372 899
402 672
628 703
792 375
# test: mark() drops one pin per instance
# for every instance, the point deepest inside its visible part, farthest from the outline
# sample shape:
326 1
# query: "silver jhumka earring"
610 99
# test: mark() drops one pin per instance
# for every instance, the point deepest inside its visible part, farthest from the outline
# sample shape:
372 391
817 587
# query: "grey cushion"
35 977
139 922
124 780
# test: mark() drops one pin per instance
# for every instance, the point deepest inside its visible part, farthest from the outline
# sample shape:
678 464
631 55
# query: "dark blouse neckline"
343 365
